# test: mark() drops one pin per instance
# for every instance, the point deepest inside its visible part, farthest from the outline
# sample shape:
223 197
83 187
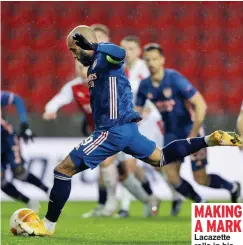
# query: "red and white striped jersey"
74 90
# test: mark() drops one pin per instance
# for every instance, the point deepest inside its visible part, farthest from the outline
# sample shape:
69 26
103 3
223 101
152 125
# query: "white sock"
134 186
125 199
50 226
206 139
109 175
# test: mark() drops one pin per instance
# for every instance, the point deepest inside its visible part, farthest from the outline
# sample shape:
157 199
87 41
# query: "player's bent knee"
67 167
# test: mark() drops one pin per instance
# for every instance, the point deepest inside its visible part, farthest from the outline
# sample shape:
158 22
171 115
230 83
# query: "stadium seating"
204 41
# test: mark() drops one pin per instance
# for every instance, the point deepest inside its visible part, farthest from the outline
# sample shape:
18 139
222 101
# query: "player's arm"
141 98
114 54
200 109
18 102
189 93
239 123
64 97
8 98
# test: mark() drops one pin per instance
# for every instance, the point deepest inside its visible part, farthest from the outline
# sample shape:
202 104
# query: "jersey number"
85 142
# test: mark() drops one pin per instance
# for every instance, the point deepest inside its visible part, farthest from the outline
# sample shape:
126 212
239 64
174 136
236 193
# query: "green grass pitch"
72 229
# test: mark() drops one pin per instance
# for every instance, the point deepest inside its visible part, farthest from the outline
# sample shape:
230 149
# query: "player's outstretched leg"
181 148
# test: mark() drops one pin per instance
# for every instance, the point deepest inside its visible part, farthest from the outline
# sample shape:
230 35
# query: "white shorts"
151 127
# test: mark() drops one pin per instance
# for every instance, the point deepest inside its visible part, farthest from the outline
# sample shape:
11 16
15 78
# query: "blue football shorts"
105 143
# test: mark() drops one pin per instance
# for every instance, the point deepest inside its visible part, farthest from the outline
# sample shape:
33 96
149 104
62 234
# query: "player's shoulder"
7 97
104 55
5 93
172 72
101 45
175 76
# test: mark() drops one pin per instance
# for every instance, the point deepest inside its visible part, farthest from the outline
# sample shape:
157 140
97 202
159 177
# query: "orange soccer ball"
20 216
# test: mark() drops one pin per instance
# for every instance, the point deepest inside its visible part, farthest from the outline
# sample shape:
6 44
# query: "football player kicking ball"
115 125
107 202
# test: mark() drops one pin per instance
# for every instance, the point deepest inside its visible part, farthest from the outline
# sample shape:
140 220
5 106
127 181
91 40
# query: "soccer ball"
20 216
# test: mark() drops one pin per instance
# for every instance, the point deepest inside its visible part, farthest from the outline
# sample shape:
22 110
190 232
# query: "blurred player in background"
78 89
151 125
183 110
240 123
11 154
